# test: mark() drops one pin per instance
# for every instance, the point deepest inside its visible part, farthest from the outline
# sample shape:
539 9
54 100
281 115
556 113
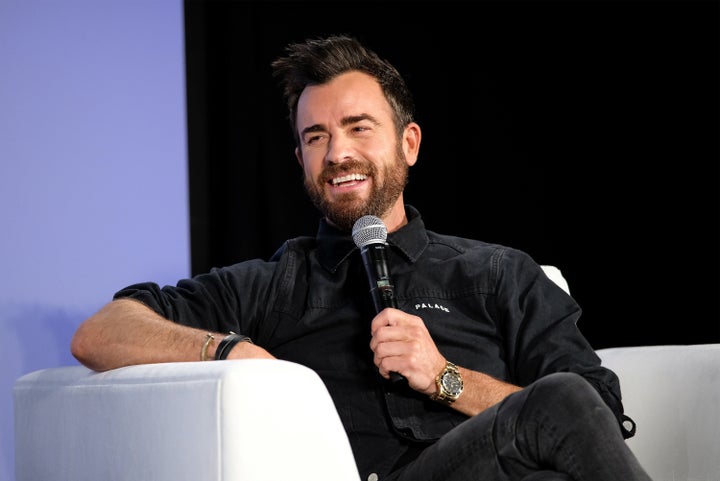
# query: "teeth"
348 178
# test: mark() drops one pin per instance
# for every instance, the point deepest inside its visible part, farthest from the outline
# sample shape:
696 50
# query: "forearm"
126 332
481 391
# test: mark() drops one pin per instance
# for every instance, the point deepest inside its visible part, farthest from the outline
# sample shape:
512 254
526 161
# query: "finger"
389 348
387 364
384 318
383 335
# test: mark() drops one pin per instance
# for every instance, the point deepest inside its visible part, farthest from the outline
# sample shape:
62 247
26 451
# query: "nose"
339 150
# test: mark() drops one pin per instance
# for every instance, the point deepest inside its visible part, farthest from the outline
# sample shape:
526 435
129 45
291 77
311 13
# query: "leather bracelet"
228 343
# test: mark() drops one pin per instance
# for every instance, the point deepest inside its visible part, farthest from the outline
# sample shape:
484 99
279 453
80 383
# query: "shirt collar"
335 246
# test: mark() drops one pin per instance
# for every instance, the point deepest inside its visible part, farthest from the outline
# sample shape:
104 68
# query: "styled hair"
319 60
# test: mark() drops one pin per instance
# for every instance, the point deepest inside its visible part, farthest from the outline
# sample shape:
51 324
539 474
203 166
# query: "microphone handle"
382 291
385 297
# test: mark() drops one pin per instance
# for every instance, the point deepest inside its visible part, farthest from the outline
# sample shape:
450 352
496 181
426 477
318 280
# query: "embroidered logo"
429 305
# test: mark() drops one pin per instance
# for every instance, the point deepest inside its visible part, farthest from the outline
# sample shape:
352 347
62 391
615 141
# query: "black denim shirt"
488 308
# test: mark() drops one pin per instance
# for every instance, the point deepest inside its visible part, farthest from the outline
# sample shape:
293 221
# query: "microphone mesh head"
369 229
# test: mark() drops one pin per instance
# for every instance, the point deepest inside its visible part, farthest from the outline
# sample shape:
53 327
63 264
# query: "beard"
348 208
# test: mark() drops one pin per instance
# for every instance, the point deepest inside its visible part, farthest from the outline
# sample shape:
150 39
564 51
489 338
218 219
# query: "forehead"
349 94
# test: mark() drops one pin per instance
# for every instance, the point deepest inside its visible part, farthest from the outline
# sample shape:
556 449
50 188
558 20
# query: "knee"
569 393
564 387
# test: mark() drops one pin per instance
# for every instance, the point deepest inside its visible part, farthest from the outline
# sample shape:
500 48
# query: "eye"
313 139
359 129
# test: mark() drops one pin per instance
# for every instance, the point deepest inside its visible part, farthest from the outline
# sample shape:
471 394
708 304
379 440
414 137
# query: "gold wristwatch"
449 384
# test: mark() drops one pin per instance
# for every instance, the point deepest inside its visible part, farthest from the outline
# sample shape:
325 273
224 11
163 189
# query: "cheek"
387 149
311 166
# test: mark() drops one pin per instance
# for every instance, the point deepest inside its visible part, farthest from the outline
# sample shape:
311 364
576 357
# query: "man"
497 383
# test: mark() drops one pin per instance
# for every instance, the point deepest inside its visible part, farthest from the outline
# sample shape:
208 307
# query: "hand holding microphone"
370 236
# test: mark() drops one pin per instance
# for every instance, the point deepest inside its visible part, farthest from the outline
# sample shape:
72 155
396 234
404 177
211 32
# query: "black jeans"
556 429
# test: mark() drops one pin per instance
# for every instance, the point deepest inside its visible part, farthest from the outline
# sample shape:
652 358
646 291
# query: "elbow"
81 348
77 346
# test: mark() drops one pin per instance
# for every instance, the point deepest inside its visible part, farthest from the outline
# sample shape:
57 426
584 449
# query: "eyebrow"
312 128
352 119
349 120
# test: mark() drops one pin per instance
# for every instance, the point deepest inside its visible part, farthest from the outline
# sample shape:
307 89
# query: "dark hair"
319 60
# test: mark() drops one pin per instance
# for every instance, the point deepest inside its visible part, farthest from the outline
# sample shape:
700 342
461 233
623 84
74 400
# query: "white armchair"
254 420
673 394
270 420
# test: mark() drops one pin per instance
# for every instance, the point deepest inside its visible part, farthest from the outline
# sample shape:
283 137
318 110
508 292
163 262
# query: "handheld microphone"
370 236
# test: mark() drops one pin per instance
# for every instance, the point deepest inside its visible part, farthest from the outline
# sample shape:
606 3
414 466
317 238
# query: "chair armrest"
247 420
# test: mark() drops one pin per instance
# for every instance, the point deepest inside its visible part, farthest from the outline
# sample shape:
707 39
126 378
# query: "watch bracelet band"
228 343
440 396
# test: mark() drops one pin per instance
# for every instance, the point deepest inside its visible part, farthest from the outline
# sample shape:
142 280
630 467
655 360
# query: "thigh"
548 476
482 448
558 424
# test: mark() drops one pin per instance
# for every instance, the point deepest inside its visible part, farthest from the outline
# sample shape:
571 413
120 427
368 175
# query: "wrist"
449 384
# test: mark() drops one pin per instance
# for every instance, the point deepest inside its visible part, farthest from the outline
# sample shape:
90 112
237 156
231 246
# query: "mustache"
352 165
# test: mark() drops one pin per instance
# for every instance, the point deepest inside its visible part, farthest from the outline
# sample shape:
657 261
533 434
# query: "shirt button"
373 477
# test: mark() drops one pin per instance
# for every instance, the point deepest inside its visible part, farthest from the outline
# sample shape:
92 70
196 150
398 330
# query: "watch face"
452 383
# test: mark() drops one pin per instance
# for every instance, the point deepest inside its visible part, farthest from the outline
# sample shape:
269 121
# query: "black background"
585 133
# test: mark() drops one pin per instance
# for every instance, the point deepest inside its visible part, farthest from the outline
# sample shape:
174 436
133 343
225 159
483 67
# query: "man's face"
353 160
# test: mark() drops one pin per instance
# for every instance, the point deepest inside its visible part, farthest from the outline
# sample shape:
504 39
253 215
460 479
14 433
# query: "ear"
298 156
411 143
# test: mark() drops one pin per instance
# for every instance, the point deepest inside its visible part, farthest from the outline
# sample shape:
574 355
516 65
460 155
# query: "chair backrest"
556 276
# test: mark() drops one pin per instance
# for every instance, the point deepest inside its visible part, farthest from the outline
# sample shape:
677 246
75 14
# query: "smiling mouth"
347 178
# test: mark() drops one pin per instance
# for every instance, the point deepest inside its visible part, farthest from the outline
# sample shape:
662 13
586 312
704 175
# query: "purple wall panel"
93 170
